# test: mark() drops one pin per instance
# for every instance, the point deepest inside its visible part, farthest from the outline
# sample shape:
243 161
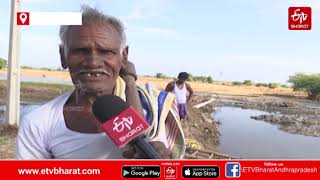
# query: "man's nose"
93 61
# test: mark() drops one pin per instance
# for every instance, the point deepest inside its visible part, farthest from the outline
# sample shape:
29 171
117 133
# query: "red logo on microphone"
125 126
300 18
120 124
23 18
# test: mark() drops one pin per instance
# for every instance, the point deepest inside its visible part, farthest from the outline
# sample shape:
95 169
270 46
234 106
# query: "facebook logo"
233 170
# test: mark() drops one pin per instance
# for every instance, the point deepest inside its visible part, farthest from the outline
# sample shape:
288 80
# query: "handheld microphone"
122 123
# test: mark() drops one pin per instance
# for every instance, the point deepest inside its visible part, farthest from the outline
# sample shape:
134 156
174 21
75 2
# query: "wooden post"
13 76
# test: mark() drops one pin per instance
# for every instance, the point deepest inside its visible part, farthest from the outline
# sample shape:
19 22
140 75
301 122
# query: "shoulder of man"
42 115
35 127
172 83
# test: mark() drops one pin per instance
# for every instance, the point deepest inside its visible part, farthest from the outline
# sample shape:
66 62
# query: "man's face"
94 58
181 81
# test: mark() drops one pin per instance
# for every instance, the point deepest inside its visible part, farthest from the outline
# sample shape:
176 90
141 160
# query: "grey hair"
92 15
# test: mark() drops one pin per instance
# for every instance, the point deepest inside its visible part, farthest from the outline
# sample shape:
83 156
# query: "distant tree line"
205 79
3 63
309 83
251 83
43 68
162 76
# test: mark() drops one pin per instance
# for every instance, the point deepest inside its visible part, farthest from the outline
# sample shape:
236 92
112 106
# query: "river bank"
294 115
290 111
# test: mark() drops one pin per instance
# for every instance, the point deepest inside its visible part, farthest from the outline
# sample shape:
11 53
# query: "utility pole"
13 72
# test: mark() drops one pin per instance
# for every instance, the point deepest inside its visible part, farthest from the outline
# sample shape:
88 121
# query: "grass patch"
37 85
37 92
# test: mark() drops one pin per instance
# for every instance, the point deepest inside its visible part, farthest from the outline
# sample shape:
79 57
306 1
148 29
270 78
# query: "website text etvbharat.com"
58 171
271 167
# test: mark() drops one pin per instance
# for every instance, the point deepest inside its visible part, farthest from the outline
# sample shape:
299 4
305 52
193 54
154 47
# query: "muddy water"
244 137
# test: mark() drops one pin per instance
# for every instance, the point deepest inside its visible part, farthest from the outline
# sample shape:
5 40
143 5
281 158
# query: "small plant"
262 85
273 85
236 83
3 63
209 79
247 82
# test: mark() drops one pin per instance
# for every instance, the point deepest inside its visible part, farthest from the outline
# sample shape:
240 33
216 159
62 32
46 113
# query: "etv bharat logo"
170 172
299 18
120 124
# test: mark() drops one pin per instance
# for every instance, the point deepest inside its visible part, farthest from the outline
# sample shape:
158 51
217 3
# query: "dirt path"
7 142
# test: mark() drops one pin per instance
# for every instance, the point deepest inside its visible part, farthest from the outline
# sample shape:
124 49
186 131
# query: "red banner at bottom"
161 169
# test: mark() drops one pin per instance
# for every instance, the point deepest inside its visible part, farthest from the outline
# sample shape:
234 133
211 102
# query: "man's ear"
62 57
125 54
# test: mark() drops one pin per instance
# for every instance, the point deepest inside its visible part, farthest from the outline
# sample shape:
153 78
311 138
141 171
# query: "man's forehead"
104 31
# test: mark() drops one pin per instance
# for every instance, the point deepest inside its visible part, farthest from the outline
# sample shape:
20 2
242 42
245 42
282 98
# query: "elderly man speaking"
66 128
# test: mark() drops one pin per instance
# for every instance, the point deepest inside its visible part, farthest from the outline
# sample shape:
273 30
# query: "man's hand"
128 74
135 153
128 69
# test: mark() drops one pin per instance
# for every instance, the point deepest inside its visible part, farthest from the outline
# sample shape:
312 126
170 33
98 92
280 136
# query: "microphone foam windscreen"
106 107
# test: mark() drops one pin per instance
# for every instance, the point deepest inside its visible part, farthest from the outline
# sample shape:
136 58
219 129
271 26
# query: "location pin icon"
23 17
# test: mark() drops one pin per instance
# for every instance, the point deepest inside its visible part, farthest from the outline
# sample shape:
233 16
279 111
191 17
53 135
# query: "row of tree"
205 79
43 68
3 63
250 83
309 83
